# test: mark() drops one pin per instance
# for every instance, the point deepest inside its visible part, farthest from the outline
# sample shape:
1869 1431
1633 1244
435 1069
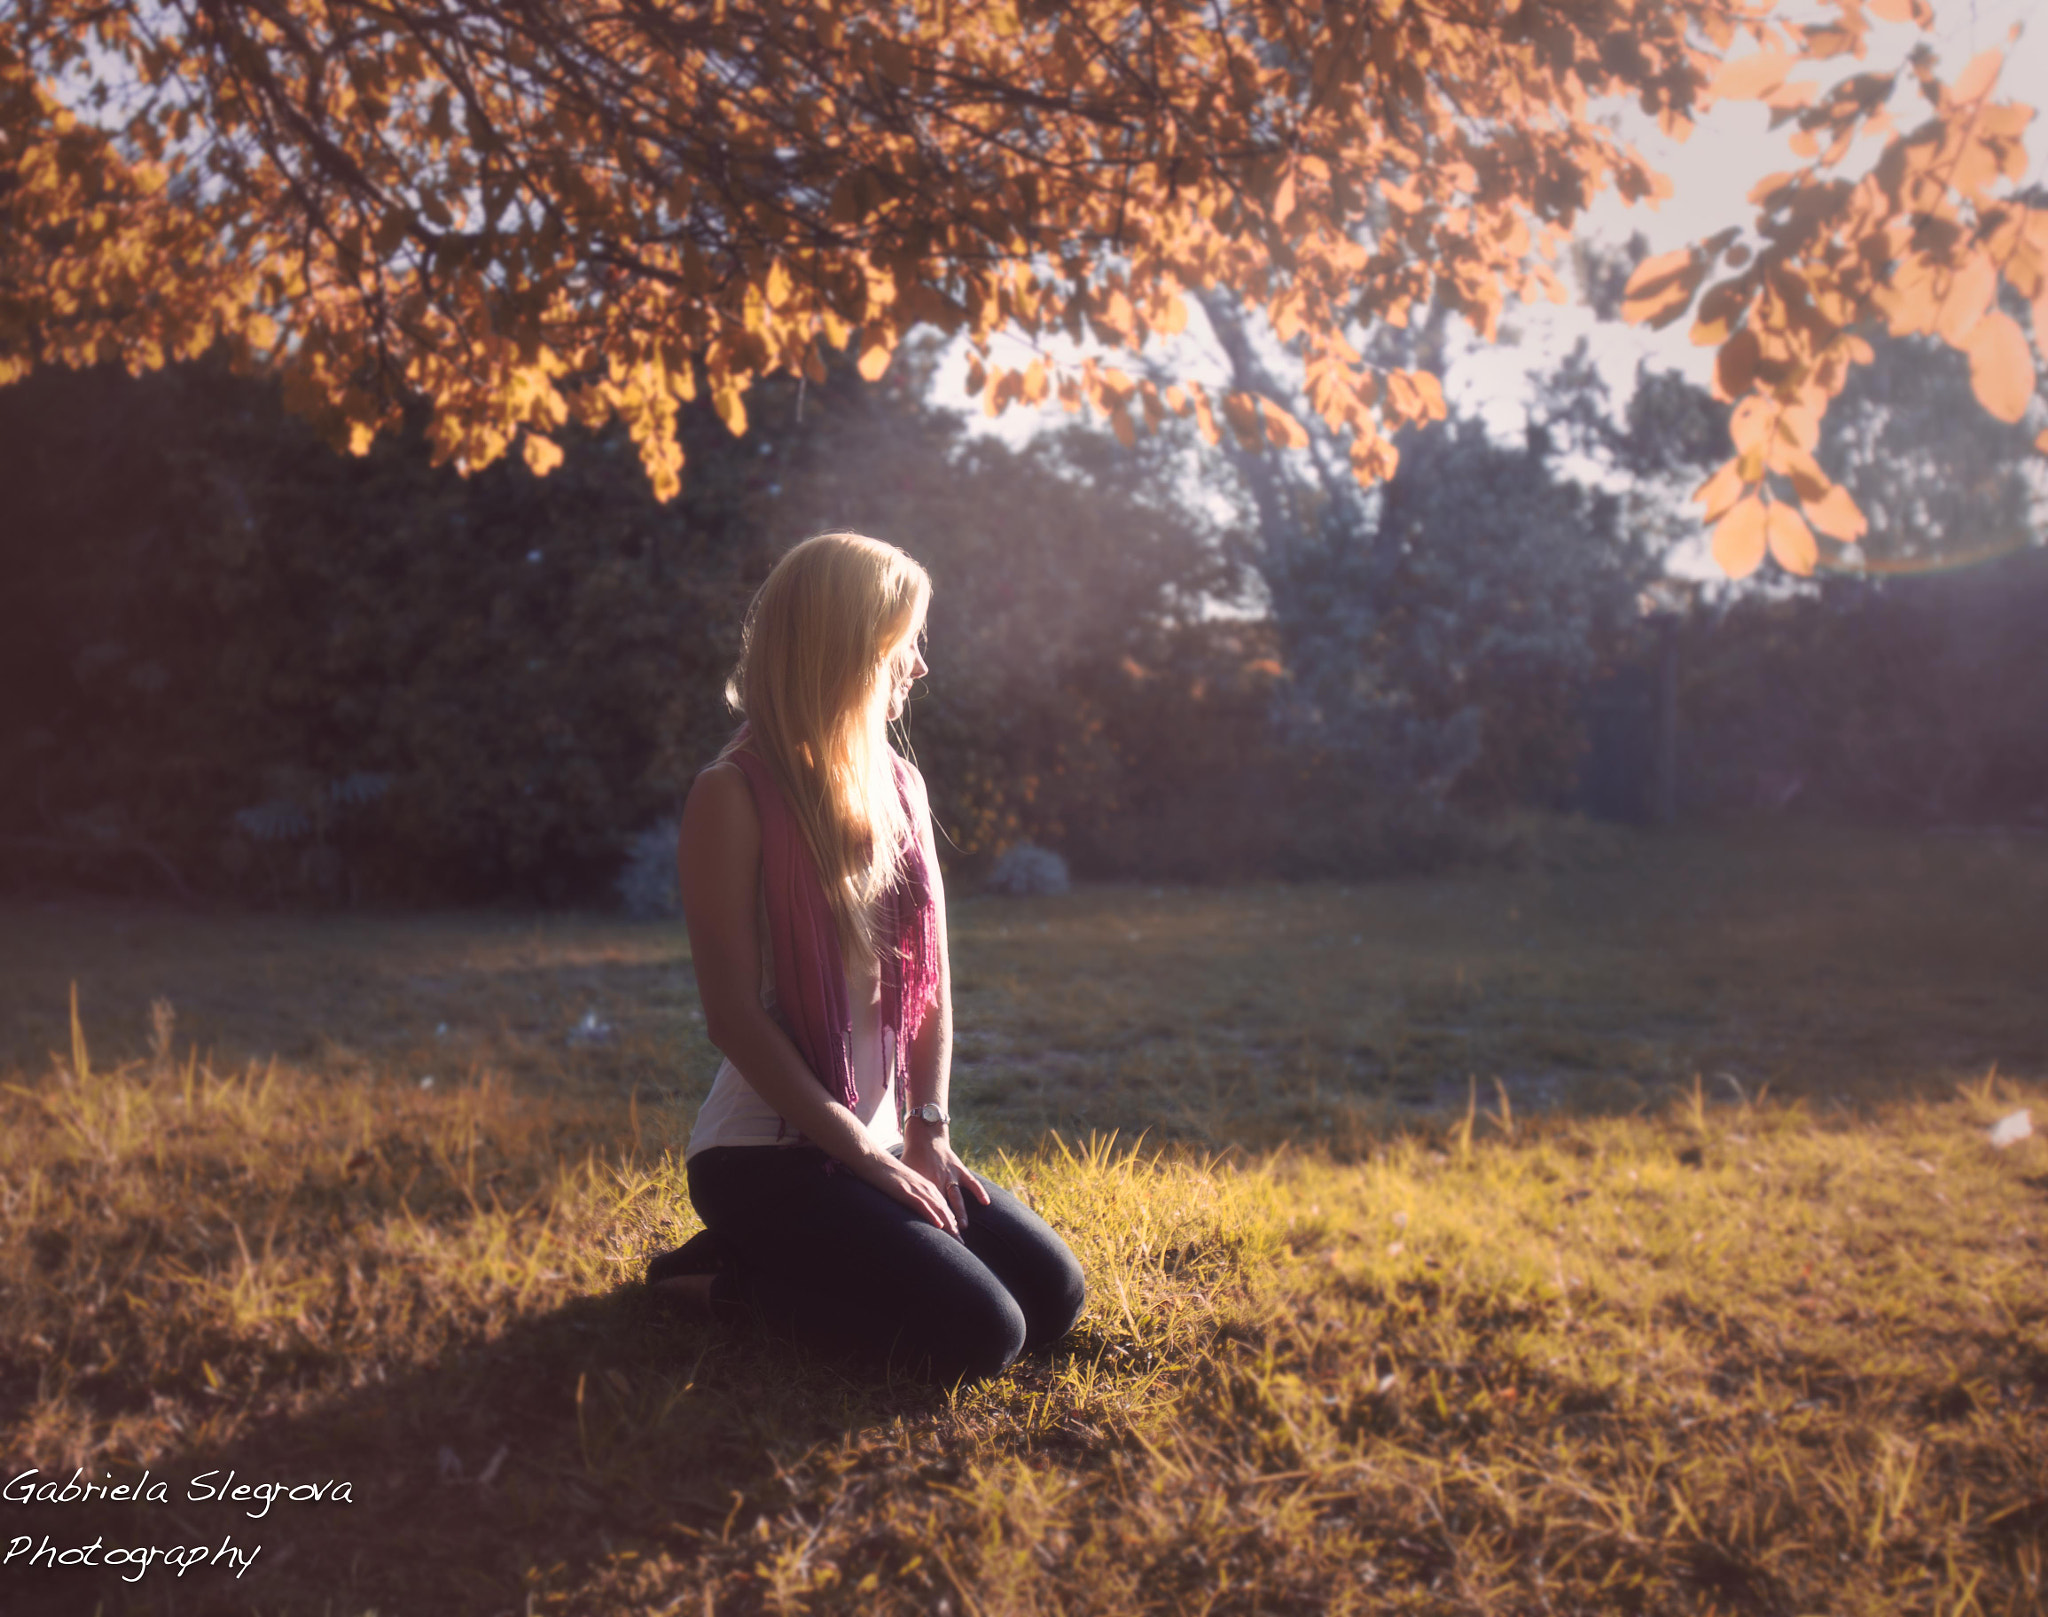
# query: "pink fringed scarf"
810 973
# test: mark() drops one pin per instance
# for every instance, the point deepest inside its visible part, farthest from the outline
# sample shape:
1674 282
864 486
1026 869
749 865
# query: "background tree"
521 215
1938 484
213 620
1908 686
232 659
1437 631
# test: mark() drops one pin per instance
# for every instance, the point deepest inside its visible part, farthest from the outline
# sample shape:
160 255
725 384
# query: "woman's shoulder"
736 764
725 774
721 796
906 771
910 782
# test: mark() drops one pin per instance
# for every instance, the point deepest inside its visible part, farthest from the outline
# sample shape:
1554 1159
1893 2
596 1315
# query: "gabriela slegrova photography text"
47 1552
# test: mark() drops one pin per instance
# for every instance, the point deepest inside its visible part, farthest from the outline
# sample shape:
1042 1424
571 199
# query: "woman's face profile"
906 665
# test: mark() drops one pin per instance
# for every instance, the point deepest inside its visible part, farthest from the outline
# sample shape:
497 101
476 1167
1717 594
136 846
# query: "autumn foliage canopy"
515 214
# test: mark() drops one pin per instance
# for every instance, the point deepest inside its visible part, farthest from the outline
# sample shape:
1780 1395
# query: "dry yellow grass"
1596 1338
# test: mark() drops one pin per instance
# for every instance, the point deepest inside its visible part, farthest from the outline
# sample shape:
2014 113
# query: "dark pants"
836 1263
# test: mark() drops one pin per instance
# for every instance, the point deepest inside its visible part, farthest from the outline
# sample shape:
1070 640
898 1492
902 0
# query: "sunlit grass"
1706 1350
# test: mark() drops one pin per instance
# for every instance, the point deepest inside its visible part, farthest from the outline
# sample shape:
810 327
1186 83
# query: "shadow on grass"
609 1425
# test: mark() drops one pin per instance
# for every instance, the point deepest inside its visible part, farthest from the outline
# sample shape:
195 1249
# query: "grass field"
1619 1234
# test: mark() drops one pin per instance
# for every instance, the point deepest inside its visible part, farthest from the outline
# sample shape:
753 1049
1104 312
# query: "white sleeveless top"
734 1112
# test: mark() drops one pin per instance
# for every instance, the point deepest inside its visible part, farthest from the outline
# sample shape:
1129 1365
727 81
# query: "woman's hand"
929 1154
912 1187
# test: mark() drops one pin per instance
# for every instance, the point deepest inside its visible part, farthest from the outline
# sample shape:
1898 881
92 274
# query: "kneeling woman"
821 1162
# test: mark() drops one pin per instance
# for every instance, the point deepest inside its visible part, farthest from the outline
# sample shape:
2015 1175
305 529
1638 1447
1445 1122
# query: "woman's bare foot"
686 1293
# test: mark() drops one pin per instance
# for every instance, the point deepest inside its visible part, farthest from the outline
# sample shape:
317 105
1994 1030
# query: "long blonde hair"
814 689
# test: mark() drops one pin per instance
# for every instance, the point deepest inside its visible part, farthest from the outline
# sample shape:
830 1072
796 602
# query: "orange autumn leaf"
1241 412
1837 515
2001 365
1282 430
1969 296
1979 76
1283 198
542 455
1735 365
1799 468
874 358
1719 492
1661 287
1752 76
1791 540
1752 423
731 405
1719 310
1739 538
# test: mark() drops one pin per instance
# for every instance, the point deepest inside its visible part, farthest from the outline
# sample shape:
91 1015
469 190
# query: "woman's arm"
928 1147
719 863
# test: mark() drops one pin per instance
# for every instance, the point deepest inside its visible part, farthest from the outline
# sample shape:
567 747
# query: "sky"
1711 174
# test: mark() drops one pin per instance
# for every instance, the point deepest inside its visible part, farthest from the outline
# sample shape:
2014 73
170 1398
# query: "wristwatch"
931 1112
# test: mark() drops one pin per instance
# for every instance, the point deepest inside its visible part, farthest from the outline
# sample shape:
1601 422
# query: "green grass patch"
1526 1310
